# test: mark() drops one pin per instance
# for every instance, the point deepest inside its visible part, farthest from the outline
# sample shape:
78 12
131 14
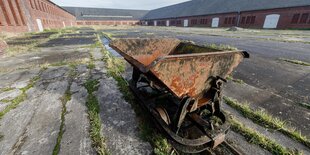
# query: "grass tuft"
306 105
221 47
298 62
6 89
235 80
263 118
94 117
256 138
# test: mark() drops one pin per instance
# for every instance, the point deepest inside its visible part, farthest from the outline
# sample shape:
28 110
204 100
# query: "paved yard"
44 101
56 95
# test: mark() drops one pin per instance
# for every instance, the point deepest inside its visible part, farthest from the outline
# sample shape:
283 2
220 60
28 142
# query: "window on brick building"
20 12
31 4
252 19
295 18
194 21
35 4
243 20
229 20
226 20
172 22
248 20
43 7
233 20
304 18
12 8
204 21
1 20
39 5
179 22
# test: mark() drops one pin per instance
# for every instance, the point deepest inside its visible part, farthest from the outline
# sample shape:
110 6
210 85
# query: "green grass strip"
6 89
298 62
94 117
256 138
264 119
65 98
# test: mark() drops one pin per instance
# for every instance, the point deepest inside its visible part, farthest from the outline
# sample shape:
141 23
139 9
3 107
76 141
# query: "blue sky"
119 4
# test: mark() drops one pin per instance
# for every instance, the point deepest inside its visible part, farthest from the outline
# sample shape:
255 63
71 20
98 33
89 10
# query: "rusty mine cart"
180 84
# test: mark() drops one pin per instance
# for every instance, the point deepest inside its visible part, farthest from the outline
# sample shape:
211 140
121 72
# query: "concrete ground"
38 117
269 83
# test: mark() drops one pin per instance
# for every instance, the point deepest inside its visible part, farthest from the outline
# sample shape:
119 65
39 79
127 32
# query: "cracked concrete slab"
274 135
36 122
97 54
9 95
17 79
273 103
3 105
119 122
42 132
76 138
54 73
83 74
243 146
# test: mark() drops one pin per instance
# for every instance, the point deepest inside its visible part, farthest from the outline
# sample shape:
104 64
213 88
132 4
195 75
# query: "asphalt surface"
33 127
270 83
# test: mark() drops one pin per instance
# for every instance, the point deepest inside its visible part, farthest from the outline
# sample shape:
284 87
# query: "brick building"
281 14
103 16
32 15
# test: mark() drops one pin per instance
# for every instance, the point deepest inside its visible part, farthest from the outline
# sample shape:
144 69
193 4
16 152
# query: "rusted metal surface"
144 51
180 84
190 74
185 69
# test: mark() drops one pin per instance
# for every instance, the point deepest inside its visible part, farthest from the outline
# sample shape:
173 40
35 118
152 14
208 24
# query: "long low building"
104 16
32 15
280 14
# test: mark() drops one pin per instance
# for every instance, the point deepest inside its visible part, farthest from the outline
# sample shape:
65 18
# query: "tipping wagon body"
192 74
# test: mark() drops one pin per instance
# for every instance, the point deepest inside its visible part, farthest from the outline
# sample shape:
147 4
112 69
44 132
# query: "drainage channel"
106 41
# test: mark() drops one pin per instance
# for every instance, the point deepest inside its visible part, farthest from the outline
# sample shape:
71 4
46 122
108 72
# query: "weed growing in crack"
64 99
298 62
94 117
235 80
264 119
306 105
6 89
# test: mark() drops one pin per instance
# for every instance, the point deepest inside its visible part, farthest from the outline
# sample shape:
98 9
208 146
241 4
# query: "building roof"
82 13
208 7
60 7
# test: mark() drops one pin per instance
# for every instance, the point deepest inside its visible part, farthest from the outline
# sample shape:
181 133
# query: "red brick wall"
22 15
107 22
285 21
255 19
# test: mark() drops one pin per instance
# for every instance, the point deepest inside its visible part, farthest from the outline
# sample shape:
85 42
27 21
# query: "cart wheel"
163 114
